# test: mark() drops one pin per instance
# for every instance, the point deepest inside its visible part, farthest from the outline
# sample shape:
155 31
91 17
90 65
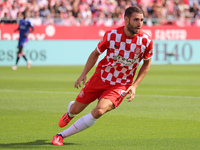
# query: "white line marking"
172 90
25 91
170 96
54 92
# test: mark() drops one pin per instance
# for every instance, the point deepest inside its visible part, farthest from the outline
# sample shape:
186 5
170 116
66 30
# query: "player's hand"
82 78
16 30
131 90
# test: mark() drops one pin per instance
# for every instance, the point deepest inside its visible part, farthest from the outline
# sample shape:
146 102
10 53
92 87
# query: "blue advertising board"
76 52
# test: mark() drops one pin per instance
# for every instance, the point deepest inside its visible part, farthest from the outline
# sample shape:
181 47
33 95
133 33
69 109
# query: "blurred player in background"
24 28
126 46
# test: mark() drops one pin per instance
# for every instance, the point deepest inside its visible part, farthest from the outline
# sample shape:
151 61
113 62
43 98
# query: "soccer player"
25 27
126 46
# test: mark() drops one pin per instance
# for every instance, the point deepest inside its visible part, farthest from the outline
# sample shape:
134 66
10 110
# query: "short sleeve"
149 51
30 24
103 43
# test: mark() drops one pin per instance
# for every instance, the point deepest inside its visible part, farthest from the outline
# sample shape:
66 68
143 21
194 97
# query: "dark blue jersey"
24 26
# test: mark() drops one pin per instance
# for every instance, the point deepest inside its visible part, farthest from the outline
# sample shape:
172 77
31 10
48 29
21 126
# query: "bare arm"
89 64
142 73
16 29
31 29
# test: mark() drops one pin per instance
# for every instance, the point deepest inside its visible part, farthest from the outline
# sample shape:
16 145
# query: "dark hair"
132 9
24 14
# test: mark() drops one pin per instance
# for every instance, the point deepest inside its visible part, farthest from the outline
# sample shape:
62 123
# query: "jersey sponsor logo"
124 61
116 46
22 27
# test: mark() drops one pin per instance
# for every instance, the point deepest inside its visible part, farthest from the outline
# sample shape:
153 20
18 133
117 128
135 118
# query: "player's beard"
131 29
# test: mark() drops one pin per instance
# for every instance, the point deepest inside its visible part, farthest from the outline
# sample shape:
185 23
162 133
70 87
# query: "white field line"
54 92
184 90
170 96
25 91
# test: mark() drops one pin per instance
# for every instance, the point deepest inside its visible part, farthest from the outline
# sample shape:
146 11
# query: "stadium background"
164 114
70 30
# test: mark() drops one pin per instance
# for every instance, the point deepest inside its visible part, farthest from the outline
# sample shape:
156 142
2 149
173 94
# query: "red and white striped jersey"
123 56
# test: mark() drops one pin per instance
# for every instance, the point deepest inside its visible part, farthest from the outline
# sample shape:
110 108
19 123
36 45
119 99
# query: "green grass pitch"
165 114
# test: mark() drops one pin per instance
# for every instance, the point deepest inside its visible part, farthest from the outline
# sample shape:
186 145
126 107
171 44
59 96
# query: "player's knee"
97 112
100 111
19 54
